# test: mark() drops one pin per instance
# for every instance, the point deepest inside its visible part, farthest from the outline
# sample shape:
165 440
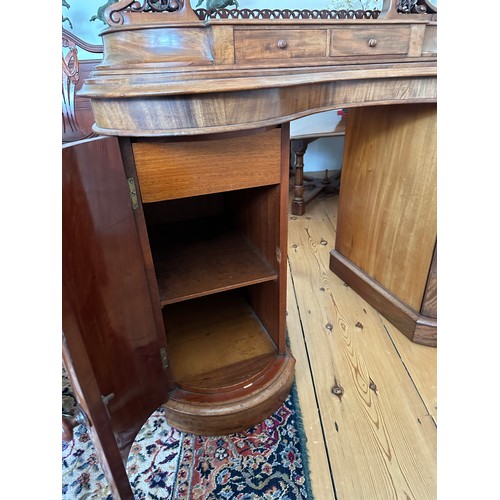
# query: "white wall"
324 153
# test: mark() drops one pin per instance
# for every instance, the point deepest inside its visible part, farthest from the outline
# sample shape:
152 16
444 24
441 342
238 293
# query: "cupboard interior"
217 273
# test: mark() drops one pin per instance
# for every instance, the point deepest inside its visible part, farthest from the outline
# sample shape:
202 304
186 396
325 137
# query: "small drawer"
180 169
251 45
369 41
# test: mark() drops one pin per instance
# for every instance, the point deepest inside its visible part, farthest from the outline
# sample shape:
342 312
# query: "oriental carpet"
268 461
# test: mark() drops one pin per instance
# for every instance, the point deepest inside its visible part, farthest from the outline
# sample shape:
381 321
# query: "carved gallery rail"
175 228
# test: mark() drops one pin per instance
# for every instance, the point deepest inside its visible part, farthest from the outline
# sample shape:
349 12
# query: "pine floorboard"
367 394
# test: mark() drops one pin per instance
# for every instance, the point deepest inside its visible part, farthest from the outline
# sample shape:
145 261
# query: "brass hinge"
133 193
164 360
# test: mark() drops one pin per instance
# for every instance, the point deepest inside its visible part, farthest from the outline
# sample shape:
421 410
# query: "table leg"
299 148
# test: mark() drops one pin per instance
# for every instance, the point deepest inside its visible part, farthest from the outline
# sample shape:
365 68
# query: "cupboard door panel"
86 390
108 304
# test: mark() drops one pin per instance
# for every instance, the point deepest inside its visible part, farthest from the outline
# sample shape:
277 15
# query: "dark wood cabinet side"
106 289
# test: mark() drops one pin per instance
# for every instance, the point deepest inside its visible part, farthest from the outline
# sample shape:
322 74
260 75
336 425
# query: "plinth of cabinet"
235 410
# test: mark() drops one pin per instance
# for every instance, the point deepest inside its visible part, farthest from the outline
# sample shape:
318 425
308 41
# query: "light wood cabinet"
386 230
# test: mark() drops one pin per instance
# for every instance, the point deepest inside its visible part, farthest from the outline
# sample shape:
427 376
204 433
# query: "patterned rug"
269 461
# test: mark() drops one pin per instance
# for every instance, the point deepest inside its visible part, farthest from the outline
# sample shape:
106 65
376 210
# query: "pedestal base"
234 410
417 327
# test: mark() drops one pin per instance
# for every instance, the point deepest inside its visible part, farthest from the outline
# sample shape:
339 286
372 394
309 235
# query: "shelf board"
216 342
216 263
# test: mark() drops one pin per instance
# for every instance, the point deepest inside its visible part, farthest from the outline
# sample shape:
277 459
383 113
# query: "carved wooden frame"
71 130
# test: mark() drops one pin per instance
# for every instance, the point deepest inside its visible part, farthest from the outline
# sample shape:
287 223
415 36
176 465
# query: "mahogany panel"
106 287
376 295
169 170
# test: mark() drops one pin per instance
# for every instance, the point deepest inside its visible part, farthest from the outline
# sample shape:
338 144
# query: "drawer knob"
282 44
372 42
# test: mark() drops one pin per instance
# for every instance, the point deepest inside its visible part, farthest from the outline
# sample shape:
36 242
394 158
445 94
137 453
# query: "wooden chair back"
77 116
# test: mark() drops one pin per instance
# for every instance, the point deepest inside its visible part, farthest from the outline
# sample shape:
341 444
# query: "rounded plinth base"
232 411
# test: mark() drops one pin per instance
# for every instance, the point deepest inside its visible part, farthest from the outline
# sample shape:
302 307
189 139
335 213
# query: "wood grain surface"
226 413
421 363
106 286
319 466
216 341
380 438
279 44
217 264
175 75
348 42
387 215
266 101
170 170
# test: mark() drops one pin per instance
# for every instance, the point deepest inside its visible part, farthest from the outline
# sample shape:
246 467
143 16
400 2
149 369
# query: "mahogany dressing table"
175 217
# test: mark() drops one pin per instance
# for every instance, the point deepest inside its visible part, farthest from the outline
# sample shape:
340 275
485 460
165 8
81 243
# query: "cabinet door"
109 311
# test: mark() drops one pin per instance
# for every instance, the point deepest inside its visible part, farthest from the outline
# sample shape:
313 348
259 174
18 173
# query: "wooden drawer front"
369 40
253 45
170 170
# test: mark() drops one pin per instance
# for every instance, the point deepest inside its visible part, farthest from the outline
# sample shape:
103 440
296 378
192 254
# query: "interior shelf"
203 261
216 342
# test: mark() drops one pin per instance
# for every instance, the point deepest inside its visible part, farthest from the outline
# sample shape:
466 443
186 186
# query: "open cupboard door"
114 344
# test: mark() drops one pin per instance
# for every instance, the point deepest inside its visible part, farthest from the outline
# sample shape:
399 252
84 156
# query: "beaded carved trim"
285 14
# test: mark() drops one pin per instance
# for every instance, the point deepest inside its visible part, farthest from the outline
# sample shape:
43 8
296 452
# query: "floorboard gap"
313 381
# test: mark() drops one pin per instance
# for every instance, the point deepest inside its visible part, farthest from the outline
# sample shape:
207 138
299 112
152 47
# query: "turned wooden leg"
298 148
70 422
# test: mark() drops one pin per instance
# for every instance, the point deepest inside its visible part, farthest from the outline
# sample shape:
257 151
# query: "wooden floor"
367 394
